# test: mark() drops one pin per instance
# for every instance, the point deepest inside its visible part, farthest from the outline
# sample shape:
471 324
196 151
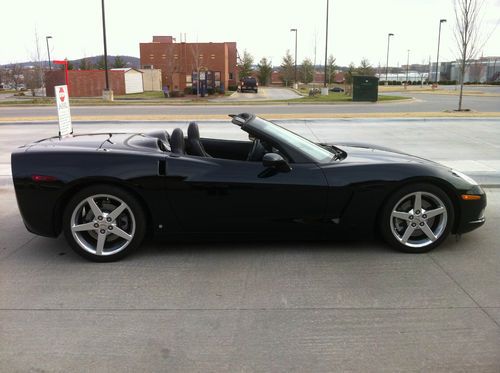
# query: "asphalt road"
421 103
250 307
263 94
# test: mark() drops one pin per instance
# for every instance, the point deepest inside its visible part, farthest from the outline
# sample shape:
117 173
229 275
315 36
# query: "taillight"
43 178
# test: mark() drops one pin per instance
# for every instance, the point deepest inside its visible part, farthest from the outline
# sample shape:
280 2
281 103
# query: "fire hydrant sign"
62 101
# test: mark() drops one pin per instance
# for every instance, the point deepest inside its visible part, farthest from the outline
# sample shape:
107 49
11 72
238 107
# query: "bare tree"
15 74
467 28
34 75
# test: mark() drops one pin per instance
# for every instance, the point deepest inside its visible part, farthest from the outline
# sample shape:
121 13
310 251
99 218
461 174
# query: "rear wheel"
104 223
417 218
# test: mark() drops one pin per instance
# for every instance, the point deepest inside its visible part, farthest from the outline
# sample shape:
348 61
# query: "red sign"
62 94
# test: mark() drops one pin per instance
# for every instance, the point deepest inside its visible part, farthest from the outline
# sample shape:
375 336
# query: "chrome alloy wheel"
102 225
418 219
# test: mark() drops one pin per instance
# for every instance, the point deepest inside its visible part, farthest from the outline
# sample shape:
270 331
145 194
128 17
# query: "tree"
365 68
467 24
265 69
287 68
245 65
85 64
330 68
100 63
119 63
351 71
307 71
34 74
15 74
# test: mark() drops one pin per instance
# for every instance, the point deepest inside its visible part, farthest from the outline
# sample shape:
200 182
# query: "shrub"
232 88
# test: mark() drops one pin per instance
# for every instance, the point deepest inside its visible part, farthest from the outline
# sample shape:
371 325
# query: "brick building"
181 62
85 83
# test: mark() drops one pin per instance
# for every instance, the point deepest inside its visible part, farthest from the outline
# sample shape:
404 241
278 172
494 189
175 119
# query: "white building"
133 80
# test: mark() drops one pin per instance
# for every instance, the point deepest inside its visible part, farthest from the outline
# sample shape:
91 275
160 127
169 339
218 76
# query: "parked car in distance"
336 89
249 84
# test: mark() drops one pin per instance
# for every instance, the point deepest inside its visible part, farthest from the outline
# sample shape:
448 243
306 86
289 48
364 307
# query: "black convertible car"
106 191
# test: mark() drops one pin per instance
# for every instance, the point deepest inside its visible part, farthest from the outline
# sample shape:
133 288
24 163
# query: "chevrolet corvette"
106 191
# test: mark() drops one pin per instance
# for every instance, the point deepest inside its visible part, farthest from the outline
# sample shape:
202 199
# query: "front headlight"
463 176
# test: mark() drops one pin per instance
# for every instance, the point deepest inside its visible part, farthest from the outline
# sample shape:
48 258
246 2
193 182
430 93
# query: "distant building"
181 62
133 80
151 79
85 83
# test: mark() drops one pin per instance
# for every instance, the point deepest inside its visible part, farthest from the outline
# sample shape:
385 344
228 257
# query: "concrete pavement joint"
235 309
463 290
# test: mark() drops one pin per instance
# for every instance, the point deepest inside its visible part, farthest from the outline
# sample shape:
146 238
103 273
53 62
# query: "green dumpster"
365 88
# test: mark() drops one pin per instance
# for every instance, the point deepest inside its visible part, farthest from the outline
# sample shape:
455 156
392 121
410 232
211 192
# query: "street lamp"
407 66
48 50
441 21
295 30
105 45
387 62
326 43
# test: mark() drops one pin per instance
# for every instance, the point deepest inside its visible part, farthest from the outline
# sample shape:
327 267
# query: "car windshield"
318 153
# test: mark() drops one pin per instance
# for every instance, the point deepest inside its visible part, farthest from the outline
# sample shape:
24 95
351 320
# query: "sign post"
63 112
66 74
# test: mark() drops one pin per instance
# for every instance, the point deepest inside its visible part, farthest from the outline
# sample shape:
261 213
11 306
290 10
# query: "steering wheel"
257 152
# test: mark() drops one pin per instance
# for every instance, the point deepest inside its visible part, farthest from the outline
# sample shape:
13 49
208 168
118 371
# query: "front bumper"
471 215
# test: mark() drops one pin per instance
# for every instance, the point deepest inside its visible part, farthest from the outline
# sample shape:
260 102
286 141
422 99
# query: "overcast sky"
358 28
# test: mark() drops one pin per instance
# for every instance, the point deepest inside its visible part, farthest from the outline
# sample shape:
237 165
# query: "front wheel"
104 223
417 218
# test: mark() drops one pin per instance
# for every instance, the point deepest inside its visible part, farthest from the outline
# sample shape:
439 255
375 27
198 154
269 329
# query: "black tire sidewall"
128 198
385 217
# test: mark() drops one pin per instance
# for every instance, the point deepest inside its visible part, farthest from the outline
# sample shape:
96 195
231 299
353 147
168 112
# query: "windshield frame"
293 145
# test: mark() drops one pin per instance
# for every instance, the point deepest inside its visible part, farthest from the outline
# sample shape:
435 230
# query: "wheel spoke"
417 206
409 230
101 239
435 212
121 233
117 211
428 232
83 227
93 206
400 215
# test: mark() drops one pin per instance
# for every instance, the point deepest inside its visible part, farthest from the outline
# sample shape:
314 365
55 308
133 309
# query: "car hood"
363 153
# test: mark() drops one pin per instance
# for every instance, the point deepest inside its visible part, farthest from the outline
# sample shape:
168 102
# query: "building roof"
125 69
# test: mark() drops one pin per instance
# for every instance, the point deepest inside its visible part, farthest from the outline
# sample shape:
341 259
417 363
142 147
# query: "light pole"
105 46
326 43
48 50
439 41
387 61
295 30
407 66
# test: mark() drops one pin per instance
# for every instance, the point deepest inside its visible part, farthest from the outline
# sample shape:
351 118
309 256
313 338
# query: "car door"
221 195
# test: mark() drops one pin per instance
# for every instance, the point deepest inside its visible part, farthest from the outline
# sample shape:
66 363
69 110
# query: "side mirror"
276 161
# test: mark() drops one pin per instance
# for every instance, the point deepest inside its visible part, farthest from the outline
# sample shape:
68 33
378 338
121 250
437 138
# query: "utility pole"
107 95
326 45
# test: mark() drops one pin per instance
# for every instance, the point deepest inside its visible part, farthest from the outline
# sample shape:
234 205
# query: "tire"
97 229
413 227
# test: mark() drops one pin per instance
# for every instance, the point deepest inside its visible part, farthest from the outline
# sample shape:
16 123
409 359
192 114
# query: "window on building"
230 75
